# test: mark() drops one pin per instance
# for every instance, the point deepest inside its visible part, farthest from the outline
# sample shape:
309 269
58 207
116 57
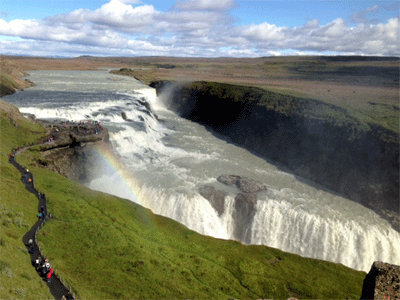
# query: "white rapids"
173 158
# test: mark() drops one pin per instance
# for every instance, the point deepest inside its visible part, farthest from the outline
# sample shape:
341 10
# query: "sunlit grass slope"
105 247
18 211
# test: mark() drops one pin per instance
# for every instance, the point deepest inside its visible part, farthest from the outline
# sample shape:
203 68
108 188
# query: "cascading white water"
278 224
173 158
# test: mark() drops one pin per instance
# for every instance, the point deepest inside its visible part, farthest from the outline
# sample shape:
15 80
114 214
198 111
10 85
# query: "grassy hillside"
10 78
18 210
106 247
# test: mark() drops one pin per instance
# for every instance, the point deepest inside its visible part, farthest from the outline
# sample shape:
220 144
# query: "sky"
199 28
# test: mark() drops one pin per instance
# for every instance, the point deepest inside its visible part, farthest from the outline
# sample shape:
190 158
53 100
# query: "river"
160 160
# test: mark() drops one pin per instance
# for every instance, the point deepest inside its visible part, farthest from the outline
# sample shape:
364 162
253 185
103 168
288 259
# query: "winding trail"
57 288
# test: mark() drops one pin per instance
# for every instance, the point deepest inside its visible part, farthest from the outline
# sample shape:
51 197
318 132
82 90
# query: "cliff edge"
314 140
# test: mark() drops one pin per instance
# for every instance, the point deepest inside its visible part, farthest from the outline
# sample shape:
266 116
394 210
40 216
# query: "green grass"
7 85
376 111
362 117
98 244
284 103
105 247
18 211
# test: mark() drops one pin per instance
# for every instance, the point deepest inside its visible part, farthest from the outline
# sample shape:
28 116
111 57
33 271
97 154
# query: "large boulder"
243 215
244 184
215 197
382 282
244 204
228 179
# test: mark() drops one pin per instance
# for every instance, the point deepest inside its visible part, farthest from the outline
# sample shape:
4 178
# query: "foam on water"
278 224
173 158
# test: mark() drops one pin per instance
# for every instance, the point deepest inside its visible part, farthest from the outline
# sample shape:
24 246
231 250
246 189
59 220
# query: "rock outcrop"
315 140
382 282
246 185
245 210
244 205
65 151
215 197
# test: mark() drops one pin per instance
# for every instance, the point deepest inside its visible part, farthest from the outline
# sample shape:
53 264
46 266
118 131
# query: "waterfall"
169 158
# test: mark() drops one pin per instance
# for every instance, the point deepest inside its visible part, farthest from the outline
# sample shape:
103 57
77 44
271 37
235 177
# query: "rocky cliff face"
382 282
315 140
65 150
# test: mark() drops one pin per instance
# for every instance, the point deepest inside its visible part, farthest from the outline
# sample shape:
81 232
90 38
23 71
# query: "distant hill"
10 78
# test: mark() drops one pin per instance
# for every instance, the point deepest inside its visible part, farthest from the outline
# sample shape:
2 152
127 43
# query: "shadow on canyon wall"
314 140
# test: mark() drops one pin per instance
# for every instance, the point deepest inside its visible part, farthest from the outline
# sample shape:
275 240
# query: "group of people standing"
43 267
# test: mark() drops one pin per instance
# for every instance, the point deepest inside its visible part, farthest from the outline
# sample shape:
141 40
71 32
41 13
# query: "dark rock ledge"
382 282
245 202
64 150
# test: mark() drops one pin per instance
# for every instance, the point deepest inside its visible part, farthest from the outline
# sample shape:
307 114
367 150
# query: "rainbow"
129 184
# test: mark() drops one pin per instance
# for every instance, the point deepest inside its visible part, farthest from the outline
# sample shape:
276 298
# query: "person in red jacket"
48 275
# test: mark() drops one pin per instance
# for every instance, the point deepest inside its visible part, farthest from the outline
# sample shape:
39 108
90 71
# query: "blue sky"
211 28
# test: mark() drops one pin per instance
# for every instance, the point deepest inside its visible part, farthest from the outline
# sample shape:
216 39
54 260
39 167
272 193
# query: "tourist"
45 269
48 275
68 296
31 247
37 263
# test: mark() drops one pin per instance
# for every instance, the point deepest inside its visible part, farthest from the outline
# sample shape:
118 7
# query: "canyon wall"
314 140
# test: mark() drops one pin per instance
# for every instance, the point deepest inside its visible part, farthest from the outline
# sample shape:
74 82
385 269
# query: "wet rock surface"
245 210
245 202
244 184
382 282
215 197
314 140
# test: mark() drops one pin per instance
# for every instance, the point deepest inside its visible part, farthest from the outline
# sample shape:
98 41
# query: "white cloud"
390 30
312 24
194 29
117 13
205 4
334 29
263 32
